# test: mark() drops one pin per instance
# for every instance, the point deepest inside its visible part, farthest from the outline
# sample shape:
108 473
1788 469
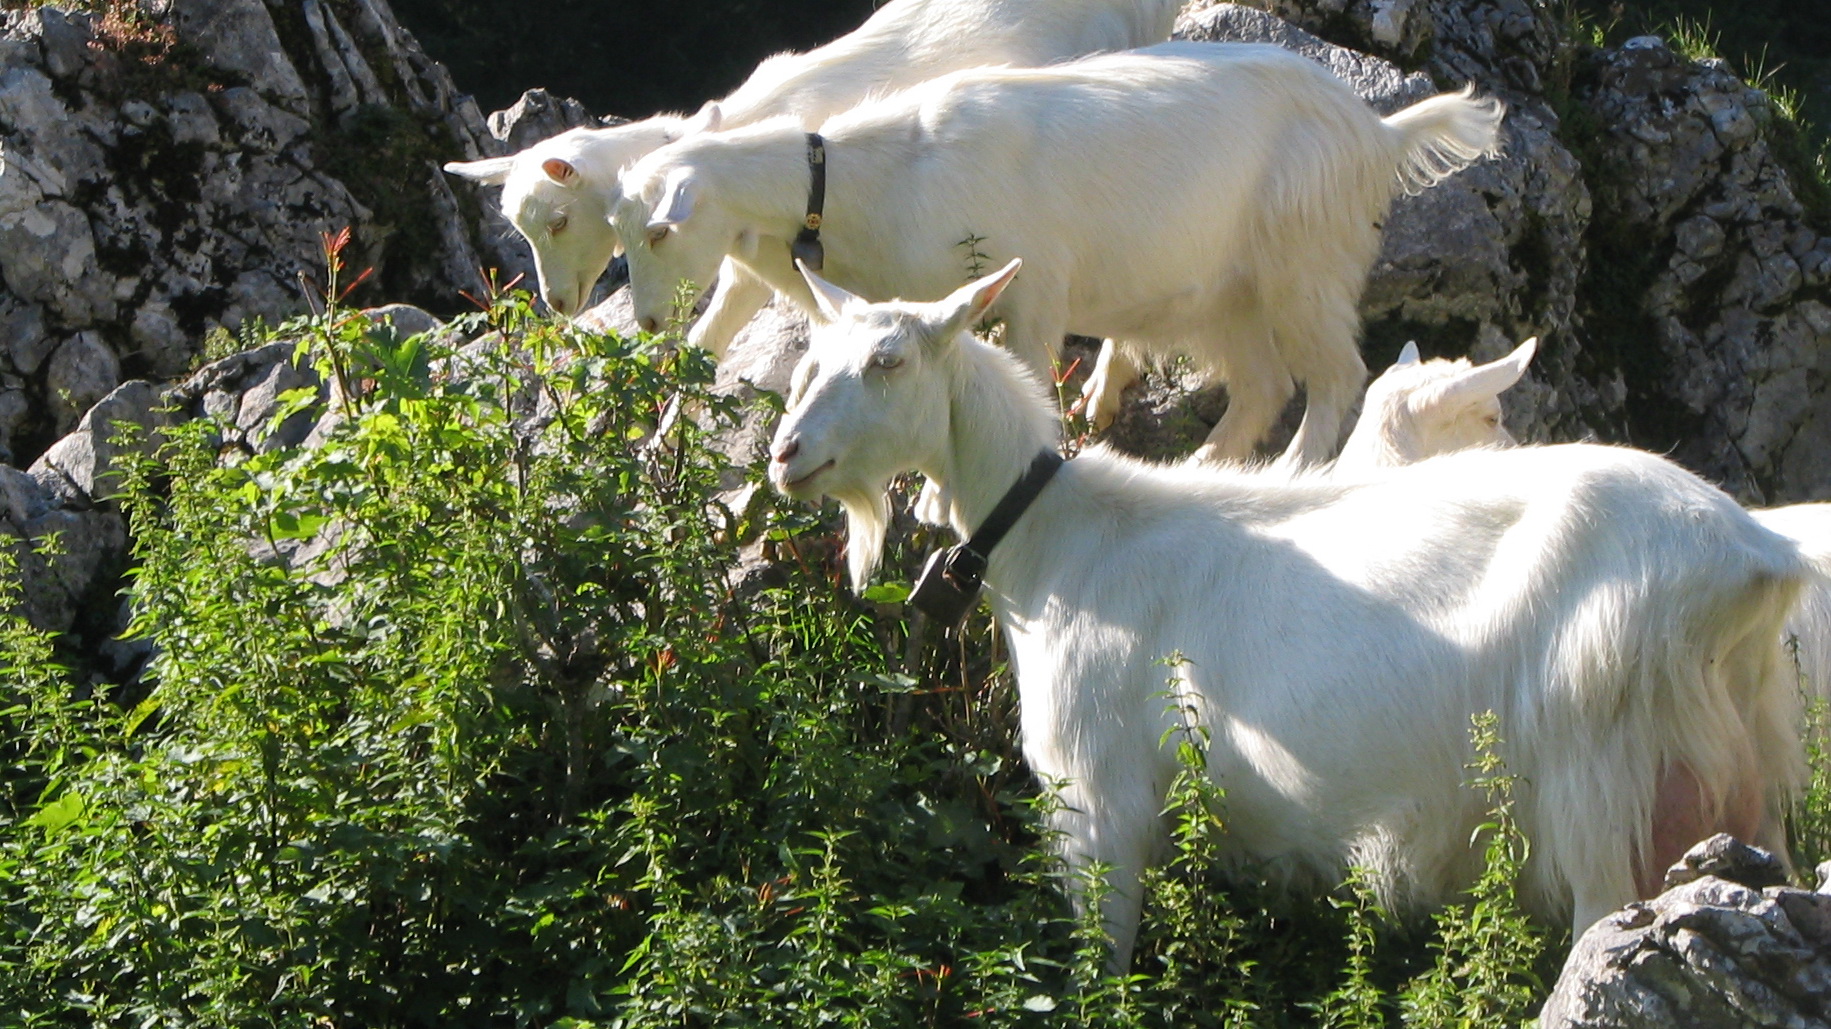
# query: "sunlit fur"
1416 409
903 42
1808 629
1334 636
1218 200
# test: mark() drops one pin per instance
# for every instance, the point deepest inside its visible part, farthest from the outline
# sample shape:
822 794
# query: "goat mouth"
795 485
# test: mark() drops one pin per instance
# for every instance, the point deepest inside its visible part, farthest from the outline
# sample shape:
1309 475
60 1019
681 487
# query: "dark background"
637 57
615 56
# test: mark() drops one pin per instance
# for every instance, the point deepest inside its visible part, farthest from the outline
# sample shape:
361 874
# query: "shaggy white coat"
1333 637
1216 200
557 192
1418 409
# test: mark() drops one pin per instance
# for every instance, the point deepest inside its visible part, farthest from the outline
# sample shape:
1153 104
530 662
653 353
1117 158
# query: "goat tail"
1442 135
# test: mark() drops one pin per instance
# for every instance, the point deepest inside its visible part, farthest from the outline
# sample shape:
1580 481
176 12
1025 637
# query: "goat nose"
558 304
787 448
647 324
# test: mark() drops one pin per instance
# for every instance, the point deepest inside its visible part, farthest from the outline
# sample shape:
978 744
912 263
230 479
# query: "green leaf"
887 593
59 814
291 525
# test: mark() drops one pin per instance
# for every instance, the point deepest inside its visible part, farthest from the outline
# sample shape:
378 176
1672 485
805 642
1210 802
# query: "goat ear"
970 302
677 198
491 171
560 170
831 299
709 119
1409 354
1496 377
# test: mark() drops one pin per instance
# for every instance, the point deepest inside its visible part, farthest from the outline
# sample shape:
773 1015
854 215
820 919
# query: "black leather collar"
951 580
806 247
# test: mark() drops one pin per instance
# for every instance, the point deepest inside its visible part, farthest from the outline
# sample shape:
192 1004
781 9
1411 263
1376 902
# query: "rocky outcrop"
1709 287
1728 945
170 172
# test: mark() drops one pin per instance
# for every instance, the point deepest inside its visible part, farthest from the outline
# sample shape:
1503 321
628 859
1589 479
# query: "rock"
1726 857
538 115
406 319
240 39
64 558
82 371
177 175
1723 339
1722 948
78 468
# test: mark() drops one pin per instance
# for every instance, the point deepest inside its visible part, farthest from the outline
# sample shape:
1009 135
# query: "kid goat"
1417 409
1333 638
1219 200
559 191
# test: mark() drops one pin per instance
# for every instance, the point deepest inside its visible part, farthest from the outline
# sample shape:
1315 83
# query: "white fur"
1417 409
1335 636
904 42
1808 630
1218 200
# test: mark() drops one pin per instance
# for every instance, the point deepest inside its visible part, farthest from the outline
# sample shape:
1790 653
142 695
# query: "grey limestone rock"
164 178
1723 334
1725 947
537 115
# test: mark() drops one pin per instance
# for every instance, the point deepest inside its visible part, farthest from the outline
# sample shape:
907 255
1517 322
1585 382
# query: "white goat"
1334 637
558 191
1416 409
1219 200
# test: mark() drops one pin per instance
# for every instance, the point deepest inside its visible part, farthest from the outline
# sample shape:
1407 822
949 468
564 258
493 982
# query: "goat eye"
656 234
557 226
886 360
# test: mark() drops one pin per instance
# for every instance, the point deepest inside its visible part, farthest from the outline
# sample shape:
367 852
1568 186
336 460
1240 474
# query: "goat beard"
867 522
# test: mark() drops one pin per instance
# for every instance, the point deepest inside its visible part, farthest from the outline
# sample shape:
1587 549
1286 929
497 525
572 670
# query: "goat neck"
998 421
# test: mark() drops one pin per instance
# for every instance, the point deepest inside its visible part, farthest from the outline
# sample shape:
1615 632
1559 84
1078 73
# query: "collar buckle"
951 579
806 246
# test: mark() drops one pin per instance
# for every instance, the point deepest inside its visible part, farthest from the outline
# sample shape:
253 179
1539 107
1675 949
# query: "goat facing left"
1332 639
